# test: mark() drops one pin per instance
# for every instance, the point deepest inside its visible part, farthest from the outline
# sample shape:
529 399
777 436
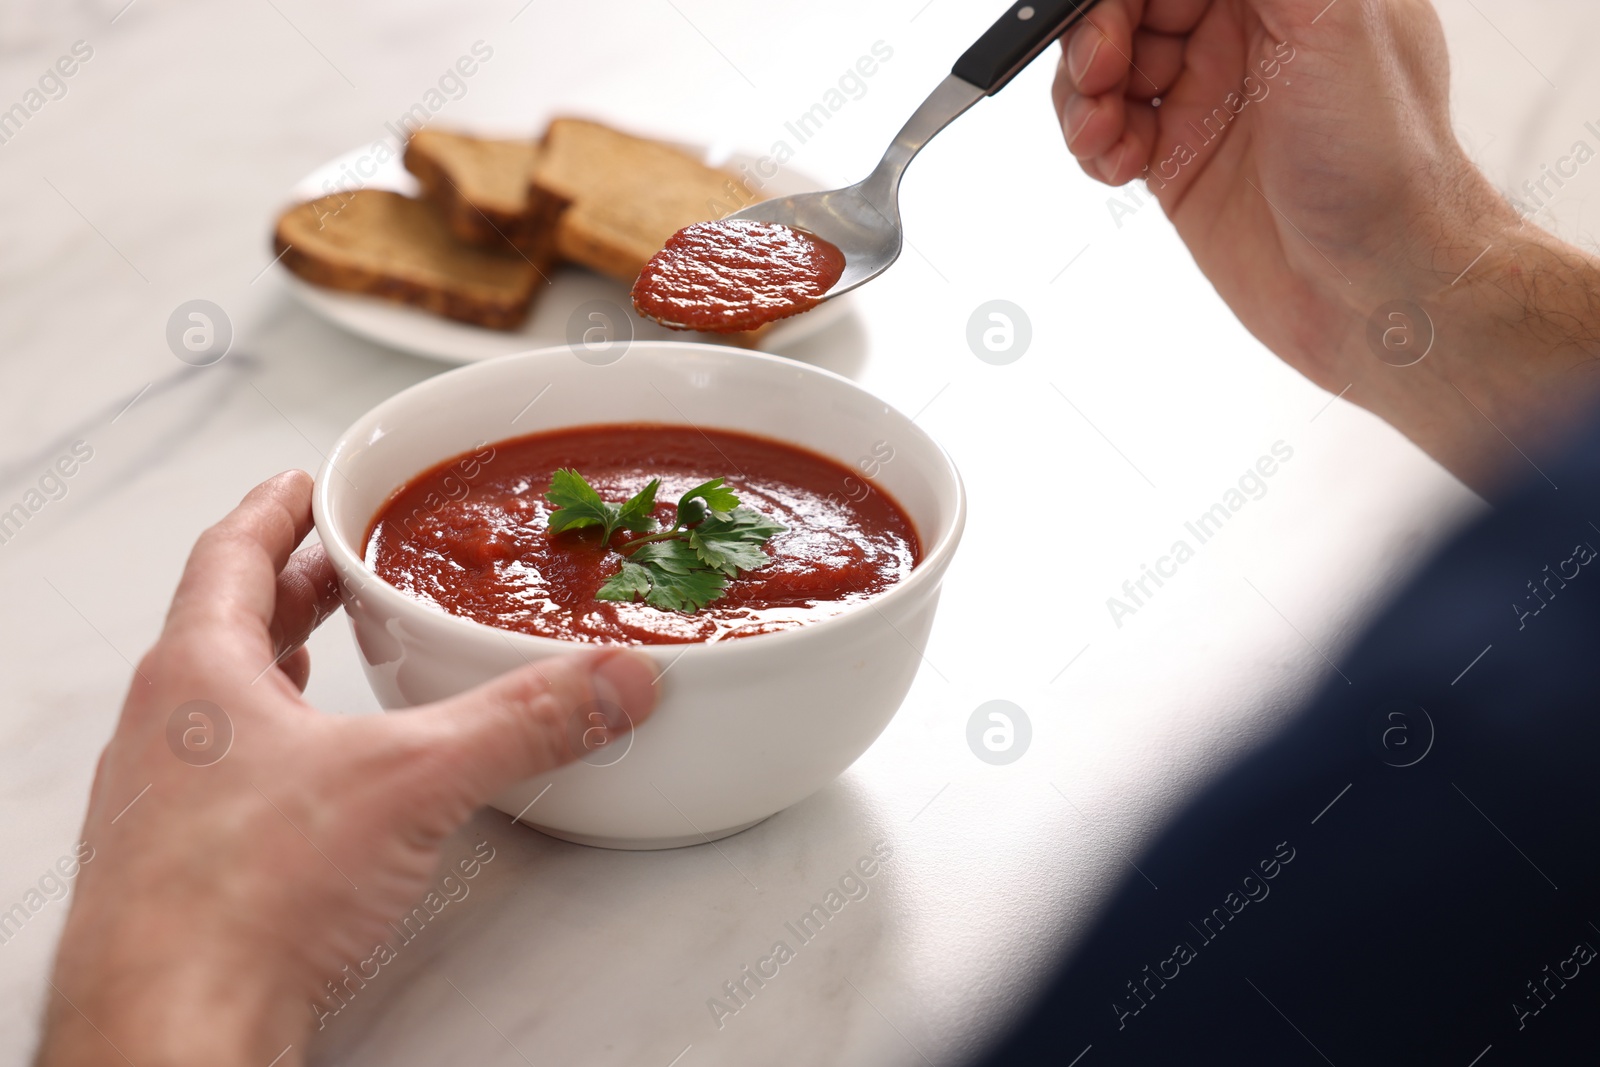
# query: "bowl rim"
928 571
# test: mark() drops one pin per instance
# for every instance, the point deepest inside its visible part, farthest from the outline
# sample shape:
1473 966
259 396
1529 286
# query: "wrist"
1440 238
162 1003
1474 340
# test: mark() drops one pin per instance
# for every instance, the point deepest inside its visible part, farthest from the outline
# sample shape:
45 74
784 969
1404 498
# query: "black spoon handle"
1013 42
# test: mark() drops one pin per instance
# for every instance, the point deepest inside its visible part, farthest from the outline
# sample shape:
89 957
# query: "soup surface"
472 537
737 274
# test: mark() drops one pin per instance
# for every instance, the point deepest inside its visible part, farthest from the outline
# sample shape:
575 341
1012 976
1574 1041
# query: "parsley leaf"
712 540
629 583
678 580
637 514
688 592
579 505
717 496
731 543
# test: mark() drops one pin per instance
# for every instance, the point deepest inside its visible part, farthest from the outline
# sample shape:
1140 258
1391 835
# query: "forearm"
176 1034
155 1006
1504 345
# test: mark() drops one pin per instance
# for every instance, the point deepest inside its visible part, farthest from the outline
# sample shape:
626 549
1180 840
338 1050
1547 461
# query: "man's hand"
221 897
1304 151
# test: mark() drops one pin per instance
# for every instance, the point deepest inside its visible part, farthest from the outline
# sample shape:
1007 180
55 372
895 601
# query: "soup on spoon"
736 275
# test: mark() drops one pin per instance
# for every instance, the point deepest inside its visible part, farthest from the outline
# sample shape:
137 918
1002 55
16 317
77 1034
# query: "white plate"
576 301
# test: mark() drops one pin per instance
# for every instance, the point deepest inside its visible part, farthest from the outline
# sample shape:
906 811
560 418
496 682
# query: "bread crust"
481 220
475 224
502 306
617 197
612 214
606 200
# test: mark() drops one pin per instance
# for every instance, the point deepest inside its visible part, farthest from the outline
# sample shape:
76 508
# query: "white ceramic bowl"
745 728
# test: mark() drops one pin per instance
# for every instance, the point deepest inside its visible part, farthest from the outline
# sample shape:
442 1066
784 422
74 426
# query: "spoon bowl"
863 220
869 236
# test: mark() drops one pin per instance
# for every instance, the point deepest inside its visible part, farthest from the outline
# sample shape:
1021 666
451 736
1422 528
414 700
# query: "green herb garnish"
684 567
579 506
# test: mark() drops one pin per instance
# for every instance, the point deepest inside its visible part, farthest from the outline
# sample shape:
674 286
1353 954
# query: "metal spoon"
863 220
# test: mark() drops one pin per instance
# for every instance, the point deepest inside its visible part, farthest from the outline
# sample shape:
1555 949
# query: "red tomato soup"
471 536
737 274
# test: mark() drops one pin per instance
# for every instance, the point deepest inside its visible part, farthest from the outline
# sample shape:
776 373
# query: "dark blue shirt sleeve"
1409 873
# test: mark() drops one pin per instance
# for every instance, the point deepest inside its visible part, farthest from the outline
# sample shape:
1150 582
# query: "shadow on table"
589 955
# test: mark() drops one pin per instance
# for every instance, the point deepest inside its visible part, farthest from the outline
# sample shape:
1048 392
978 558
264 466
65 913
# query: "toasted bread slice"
619 197
391 246
480 185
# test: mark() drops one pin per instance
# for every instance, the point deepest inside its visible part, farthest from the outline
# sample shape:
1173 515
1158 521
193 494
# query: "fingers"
1173 16
1092 80
308 592
1093 124
1097 50
296 666
232 574
1158 59
1124 55
534 719
1128 157
1134 43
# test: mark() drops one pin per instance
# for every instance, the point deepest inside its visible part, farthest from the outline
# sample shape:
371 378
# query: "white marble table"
1139 403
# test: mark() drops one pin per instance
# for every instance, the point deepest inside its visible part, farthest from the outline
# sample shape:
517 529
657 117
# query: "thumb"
536 718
